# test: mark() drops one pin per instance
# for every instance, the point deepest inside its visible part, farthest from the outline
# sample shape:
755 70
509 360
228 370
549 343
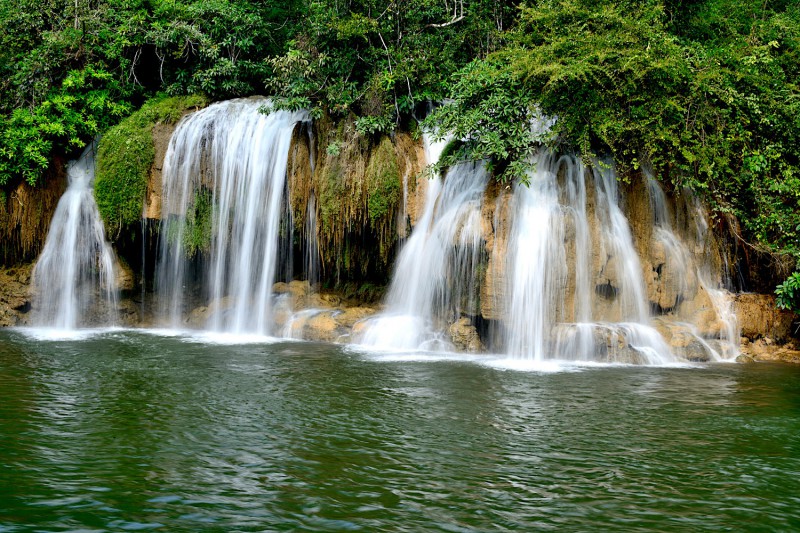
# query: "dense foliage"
704 92
69 69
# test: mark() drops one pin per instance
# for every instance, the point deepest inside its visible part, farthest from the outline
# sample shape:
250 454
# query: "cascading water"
715 284
573 283
74 277
550 253
537 259
310 243
223 186
434 277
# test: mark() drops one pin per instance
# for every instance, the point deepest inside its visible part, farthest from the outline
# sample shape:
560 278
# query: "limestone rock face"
700 311
152 203
496 224
759 317
465 337
125 279
15 297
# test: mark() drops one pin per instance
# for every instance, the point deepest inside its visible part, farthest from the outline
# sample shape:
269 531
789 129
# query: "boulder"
200 316
349 317
465 337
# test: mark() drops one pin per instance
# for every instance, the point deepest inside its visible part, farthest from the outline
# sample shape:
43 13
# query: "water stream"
74 277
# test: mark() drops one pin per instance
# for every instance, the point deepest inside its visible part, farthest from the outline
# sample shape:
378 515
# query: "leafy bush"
66 121
789 293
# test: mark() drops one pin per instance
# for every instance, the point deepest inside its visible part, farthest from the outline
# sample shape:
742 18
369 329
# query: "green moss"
197 235
332 194
125 155
383 182
194 231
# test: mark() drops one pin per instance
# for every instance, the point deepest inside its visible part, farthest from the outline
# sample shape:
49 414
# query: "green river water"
130 430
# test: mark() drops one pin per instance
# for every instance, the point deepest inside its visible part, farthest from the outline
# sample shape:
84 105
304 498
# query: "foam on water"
60 334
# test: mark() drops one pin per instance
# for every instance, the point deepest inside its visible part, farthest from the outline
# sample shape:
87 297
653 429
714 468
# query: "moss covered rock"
125 155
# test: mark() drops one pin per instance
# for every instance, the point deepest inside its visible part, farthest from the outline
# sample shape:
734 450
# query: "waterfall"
310 244
224 180
537 260
74 277
555 310
434 278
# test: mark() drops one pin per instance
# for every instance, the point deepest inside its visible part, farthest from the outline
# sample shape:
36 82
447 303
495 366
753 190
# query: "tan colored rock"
349 317
15 296
299 294
612 347
125 279
465 337
683 340
200 316
323 327
496 213
758 317
153 198
763 351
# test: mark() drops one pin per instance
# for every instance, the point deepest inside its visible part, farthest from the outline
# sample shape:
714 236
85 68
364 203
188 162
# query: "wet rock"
684 341
349 317
742 358
128 313
200 316
611 346
323 328
319 327
125 279
15 296
465 337
299 294
760 350
700 312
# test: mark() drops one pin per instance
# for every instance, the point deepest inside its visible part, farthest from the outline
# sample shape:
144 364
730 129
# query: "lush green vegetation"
703 92
789 293
70 69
